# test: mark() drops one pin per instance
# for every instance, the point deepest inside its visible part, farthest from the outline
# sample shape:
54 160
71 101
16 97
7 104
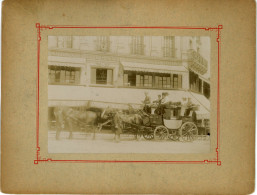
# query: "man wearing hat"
164 102
165 99
147 103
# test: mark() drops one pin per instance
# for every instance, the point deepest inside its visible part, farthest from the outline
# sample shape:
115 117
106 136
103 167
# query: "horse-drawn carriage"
157 126
135 122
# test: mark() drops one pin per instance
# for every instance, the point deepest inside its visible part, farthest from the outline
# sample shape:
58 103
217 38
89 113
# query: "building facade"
117 70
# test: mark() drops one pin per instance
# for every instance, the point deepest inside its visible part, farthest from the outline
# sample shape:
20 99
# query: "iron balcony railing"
197 62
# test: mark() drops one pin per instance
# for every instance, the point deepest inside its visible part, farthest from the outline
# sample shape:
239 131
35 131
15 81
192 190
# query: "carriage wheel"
173 135
148 134
189 131
161 133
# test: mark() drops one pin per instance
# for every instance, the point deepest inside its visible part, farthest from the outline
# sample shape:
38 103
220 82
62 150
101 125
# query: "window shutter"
168 82
141 81
52 76
138 80
93 76
156 81
150 81
109 77
160 82
146 80
179 81
77 77
164 82
62 77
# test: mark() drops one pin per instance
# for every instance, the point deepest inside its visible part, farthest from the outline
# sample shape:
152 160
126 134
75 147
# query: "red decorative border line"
39 27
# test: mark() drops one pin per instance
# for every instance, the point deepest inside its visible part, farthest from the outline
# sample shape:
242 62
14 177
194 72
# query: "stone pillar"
87 75
83 75
185 80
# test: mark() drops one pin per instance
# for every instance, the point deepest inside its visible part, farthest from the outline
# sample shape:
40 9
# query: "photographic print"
129 94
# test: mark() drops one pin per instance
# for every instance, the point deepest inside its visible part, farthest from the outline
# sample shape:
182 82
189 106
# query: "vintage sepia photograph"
129 94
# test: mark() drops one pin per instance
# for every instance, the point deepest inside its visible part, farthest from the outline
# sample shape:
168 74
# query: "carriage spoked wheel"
189 132
173 135
148 133
161 133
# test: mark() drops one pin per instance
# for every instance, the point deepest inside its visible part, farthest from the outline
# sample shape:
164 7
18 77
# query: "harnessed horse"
119 118
70 118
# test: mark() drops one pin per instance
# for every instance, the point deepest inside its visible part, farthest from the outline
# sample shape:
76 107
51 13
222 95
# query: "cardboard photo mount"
26 165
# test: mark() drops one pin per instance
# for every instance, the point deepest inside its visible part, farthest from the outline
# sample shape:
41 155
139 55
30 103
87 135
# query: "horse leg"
94 130
57 136
117 134
136 133
117 137
70 126
58 131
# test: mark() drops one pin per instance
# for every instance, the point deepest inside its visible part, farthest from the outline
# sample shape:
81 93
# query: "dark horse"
70 117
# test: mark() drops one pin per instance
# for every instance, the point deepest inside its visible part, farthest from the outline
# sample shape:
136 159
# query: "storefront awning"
133 66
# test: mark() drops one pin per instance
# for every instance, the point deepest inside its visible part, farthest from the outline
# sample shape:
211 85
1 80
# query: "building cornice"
114 57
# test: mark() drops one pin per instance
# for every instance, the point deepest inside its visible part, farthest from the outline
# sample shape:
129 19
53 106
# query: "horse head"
106 113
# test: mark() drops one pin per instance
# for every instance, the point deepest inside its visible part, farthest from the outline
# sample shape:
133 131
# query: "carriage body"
172 123
176 129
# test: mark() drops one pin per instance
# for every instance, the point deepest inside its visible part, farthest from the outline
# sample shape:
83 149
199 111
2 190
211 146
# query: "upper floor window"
101 76
64 42
63 75
169 46
137 45
103 43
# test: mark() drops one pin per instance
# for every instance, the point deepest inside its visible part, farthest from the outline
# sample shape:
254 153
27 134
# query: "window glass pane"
179 81
168 82
160 82
138 80
164 82
156 81
132 78
150 81
57 74
101 76
62 77
146 80
72 76
67 74
141 81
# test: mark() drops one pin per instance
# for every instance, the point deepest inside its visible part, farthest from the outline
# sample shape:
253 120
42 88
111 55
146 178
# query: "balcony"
197 62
